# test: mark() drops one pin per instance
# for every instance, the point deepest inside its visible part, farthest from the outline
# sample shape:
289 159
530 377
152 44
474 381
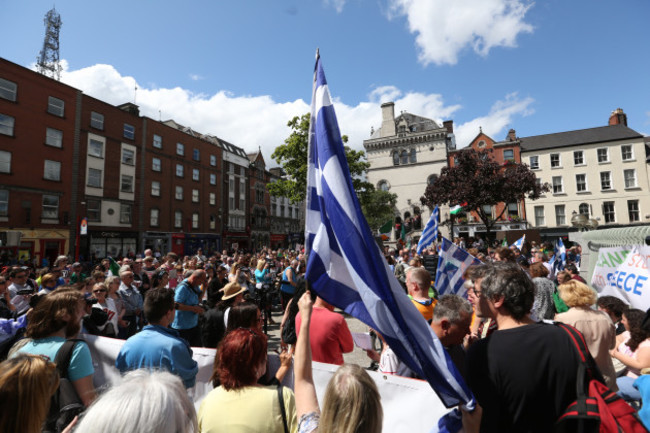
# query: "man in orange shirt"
418 281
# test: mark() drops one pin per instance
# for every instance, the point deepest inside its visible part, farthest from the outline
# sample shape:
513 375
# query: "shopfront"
104 243
278 240
158 242
209 243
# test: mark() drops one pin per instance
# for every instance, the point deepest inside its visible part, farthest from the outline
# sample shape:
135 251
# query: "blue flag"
430 232
452 263
345 266
559 258
519 243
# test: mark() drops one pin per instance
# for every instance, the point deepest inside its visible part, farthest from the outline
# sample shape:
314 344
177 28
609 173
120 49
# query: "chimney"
449 126
388 119
512 136
618 117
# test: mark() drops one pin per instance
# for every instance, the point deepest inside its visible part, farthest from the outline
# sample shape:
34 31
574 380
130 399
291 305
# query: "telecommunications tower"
48 61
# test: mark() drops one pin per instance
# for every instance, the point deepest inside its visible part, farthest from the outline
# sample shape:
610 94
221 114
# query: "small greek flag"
430 232
346 267
451 265
559 258
519 242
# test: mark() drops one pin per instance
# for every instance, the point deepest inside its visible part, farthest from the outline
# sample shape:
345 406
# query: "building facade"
599 172
406 154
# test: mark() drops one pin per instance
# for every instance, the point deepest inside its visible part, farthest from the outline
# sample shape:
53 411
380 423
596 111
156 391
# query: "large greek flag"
346 267
452 263
430 232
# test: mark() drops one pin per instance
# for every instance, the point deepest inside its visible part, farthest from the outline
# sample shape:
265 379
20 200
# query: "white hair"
124 269
144 402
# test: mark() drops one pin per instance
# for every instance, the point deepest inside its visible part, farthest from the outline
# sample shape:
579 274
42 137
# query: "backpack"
65 403
597 408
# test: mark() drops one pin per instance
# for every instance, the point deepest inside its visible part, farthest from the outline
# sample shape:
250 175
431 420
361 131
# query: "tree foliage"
378 207
479 180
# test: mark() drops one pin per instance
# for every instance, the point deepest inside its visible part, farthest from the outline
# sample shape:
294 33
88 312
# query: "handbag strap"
64 355
583 350
284 414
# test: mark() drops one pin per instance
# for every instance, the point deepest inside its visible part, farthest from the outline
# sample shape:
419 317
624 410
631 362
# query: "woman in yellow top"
238 403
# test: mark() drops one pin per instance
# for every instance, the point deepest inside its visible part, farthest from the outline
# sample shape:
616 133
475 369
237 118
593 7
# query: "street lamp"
582 222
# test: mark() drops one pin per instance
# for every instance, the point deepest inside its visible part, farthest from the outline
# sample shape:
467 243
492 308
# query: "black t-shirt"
524 378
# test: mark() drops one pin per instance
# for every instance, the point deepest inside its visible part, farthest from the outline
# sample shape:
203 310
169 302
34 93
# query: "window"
413 157
157 141
179 193
180 149
383 185
633 210
4 202
128 157
578 157
52 170
96 148
213 160
603 155
54 137
509 155
93 209
8 90
125 213
581 182
513 209
127 183
432 179
213 198
178 219
154 215
608 212
630 178
94 178
155 188
242 171
129 131
583 209
534 162
557 185
555 160
195 196
231 202
404 157
6 125
213 179
395 158
539 216
560 217
195 220
626 153
231 185
55 106
195 174
196 155
487 209
605 180
213 222
179 170
50 206
155 164
96 120
5 162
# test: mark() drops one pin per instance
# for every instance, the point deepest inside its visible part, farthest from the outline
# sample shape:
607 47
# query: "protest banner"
624 273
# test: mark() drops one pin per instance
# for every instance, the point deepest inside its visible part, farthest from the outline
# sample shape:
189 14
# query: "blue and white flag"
559 258
430 232
519 243
345 266
452 263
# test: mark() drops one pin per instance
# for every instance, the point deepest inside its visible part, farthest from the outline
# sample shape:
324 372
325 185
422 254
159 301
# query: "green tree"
292 156
479 180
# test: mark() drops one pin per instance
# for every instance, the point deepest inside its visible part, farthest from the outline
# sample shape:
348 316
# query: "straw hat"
231 290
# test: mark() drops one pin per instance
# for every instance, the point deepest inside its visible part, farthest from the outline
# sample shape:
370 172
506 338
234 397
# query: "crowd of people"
522 370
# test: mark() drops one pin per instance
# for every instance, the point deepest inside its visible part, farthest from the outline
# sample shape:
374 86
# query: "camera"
25 292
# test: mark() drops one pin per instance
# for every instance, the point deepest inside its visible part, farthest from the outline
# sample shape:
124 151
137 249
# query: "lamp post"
583 222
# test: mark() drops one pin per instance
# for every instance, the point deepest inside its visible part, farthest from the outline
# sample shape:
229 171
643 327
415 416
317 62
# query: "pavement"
357 356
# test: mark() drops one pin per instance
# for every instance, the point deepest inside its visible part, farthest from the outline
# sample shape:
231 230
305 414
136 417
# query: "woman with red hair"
238 403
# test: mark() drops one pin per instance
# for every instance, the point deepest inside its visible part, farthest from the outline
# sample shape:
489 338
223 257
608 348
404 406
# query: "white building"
600 172
405 154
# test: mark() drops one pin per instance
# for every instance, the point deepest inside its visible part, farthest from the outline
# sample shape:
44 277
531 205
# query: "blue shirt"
262 276
157 347
188 295
81 363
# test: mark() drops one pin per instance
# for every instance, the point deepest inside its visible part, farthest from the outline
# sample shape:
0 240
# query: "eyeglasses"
21 276
99 291
477 293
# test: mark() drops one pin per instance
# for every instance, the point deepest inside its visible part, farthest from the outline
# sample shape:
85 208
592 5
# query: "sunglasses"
99 291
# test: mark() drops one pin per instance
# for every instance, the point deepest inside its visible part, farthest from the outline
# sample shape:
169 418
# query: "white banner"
626 275
608 260
408 404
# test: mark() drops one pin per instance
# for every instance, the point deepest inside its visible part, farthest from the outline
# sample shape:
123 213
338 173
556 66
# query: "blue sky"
241 70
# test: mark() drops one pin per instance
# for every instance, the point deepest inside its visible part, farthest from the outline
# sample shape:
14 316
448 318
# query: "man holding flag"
347 269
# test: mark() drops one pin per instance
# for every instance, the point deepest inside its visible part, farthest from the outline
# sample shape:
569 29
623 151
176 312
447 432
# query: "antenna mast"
48 60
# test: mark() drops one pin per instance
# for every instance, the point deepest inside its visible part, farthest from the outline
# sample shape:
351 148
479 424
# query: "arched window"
395 158
404 157
583 209
407 215
383 185
413 158
432 179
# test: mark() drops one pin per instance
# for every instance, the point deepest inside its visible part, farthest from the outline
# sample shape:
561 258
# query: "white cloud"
259 121
445 28
336 4
196 77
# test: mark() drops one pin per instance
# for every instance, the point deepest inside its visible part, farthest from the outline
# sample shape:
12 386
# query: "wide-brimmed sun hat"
231 290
